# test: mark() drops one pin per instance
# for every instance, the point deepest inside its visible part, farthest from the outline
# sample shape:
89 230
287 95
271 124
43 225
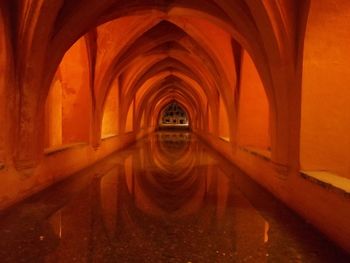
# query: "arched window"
174 116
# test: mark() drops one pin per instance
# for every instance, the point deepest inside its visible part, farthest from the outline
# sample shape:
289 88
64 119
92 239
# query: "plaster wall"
76 98
325 122
3 80
253 113
110 122
53 115
224 125
129 126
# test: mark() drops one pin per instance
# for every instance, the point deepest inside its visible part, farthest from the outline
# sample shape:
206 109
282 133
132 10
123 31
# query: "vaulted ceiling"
158 51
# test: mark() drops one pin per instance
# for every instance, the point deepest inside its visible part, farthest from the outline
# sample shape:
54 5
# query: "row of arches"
179 56
134 100
216 72
168 24
267 76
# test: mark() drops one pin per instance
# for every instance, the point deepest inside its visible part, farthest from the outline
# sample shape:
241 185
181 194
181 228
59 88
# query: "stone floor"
168 198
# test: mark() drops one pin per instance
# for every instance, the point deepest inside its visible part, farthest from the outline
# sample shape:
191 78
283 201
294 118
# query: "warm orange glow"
264 83
129 126
110 122
69 102
253 129
76 98
224 123
53 120
3 94
325 130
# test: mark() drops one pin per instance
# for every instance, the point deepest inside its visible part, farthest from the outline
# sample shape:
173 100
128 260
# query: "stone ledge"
263 154
329 181
56 149
109 136
225 139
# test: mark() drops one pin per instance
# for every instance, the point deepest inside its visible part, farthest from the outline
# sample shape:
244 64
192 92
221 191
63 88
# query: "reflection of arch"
172 156
170 146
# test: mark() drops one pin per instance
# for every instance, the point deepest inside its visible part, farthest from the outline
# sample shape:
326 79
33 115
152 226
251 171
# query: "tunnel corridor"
202 105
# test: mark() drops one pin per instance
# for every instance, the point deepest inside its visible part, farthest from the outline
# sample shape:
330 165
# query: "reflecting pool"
167 198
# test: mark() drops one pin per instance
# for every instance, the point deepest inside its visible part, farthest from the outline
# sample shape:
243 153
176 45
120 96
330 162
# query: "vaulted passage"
262 83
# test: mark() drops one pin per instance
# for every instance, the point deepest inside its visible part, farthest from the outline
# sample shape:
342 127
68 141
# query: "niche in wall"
253 115
68 105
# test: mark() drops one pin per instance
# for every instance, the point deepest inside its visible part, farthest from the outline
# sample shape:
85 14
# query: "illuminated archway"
173 116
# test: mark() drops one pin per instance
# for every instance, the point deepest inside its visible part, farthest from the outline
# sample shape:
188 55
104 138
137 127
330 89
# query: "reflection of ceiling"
173 178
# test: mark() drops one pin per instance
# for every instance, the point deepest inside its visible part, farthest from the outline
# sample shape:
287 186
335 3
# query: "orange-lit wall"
110 122
3 60
129 126
253 116
2 132
325 124
224 125
53 115
4 98
142 124
221 47
76 99
209 124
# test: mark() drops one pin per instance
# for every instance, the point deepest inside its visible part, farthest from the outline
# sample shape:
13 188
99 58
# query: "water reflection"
166 199
170 202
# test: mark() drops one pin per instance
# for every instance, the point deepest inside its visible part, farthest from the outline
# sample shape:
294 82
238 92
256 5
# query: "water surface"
168 198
